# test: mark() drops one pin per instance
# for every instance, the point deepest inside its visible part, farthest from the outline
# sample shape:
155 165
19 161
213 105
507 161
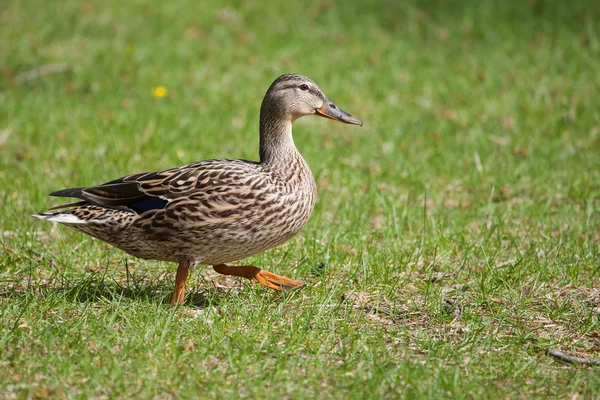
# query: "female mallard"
217 211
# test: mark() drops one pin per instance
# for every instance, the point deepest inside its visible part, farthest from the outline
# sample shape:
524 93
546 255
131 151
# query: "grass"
456 235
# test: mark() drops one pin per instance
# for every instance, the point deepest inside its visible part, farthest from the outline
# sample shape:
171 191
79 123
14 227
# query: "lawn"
456 237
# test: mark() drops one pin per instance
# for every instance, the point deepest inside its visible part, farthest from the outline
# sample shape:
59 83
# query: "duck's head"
294 96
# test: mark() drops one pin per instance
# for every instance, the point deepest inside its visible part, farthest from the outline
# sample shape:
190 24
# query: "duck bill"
330 110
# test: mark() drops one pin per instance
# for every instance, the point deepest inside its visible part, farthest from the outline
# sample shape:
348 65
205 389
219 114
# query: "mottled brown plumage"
216 211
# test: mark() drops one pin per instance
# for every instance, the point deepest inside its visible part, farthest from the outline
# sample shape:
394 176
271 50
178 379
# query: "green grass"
456 235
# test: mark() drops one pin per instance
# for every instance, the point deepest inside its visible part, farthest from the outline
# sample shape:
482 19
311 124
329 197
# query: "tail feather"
71 192
73 204
60 217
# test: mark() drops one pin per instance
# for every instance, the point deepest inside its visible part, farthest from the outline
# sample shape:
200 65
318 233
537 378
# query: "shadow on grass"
99 287
159 291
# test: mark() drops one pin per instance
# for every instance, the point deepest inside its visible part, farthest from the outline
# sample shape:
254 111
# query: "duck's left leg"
182 273
266 278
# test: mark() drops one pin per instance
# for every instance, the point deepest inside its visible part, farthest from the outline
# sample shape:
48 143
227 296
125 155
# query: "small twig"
572 360
40 72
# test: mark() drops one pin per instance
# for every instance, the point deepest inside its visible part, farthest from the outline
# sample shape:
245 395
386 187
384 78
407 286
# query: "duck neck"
276 142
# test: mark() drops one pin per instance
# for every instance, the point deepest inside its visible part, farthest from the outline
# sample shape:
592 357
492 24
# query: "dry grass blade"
40 72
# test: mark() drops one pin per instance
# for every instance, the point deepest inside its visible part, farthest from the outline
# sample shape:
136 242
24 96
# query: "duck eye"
304 86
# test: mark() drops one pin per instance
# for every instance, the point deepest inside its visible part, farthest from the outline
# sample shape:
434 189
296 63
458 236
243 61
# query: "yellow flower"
159 92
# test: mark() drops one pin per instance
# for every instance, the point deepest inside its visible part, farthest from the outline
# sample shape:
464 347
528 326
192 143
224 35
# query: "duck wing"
154 190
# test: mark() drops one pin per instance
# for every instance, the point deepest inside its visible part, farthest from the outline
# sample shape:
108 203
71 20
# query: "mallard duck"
217 211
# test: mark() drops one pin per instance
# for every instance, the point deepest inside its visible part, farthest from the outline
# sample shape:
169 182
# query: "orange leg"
182 274
266 278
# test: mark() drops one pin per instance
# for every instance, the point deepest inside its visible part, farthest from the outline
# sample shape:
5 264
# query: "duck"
213 212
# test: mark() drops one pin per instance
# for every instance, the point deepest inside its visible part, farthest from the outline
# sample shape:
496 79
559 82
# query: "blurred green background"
460 223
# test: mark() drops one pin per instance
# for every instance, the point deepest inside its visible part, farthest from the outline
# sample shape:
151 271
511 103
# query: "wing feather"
132 190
